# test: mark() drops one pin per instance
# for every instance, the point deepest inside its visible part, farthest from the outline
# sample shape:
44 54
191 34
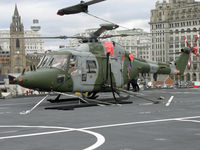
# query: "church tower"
17 46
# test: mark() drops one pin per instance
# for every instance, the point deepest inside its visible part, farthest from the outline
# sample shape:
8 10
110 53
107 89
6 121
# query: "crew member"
134 84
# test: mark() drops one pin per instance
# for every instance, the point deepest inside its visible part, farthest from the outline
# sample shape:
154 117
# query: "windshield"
56 61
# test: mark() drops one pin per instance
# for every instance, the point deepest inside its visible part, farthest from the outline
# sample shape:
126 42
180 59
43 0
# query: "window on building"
177 45
171 59
195 66
17 43
176 38
176 51
194 77
195 29
18 61
194 58
182 44
171 46
182 31
188 30
188 77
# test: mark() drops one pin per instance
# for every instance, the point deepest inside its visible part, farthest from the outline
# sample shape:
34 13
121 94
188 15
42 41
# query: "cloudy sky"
128 13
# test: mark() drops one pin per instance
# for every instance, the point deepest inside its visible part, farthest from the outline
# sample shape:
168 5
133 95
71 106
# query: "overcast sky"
128 13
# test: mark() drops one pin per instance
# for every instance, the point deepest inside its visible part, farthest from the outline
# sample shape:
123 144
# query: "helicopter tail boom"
182 61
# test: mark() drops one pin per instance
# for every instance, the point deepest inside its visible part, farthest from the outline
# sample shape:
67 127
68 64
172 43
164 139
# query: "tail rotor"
193 49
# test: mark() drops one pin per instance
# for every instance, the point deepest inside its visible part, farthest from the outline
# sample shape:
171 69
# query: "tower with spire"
17 46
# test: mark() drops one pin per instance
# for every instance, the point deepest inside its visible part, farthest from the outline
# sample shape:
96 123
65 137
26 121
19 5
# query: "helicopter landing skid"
86 99
85 102
84 105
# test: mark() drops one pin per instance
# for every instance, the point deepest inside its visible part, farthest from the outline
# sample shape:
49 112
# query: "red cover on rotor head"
131 56
109 48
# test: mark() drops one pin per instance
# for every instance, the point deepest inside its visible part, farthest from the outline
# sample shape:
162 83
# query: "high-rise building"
180 18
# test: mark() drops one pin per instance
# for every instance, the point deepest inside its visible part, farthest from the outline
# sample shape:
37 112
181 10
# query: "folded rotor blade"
93 2
82 7
44 37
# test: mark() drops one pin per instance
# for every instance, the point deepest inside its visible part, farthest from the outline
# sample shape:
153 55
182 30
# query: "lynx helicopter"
94 66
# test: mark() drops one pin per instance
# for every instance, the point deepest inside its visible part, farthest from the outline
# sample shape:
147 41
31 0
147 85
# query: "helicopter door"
116 67
89 73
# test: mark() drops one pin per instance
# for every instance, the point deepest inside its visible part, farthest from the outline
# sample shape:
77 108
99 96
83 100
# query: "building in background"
17 46
180 18
17 54
4 62
31 45
139 42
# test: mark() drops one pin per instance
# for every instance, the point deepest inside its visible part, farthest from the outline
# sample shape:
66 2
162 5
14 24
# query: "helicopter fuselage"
85 69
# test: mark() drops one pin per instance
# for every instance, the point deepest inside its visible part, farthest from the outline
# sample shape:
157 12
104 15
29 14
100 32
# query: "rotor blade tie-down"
29 111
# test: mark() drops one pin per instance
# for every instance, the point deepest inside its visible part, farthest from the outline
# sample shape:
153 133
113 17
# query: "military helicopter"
94 66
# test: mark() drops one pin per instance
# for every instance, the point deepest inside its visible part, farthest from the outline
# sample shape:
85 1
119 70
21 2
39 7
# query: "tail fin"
182 61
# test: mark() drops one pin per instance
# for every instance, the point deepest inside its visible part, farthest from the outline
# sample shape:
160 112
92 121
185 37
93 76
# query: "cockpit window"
91 66
55 61
41 61
58 61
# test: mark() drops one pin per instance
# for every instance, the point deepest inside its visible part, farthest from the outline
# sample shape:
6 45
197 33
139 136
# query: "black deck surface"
137 126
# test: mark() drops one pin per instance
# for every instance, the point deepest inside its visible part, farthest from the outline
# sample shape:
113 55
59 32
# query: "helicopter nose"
25 80
19 80
45 79
35 80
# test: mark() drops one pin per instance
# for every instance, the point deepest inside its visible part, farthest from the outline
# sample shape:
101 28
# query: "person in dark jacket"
134 84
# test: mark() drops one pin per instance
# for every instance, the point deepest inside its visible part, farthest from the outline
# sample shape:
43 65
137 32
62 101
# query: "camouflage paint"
123 69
